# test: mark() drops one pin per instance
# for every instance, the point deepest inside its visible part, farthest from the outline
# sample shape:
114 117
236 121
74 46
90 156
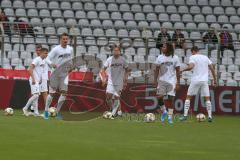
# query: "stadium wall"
136 98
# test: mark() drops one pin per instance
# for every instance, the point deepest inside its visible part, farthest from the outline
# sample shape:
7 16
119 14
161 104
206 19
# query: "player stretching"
43 87
61 54
168 74
199 64
36 70
117 79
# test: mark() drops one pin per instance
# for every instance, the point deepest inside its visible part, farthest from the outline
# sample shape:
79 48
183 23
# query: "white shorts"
165 88
58 83
44 86
114 89
35 89
196 86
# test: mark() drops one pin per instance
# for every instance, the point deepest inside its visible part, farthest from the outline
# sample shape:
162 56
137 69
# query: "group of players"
166 79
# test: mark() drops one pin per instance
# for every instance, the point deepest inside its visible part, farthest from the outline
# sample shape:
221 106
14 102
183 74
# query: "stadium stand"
96 23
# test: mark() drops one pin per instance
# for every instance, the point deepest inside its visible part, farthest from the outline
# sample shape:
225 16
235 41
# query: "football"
149 117
52 111
107 114
201 117
8 111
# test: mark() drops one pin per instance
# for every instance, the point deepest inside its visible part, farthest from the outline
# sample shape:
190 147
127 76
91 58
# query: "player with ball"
199 64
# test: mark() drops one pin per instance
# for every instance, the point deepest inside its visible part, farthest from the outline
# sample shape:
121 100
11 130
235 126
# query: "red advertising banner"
135 98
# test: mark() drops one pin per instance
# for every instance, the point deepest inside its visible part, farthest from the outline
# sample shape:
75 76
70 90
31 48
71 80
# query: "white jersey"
200 69
116 70
60 55
45 71
38 70
168 66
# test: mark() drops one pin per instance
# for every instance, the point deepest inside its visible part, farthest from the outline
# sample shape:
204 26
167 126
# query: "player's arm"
31 68
49 58
189 68
213 73
178 76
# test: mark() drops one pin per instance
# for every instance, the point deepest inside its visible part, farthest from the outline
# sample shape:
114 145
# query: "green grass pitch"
38 139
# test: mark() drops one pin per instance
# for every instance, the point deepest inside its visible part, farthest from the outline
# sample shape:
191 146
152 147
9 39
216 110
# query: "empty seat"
56 13
107 23
112 7
226 3
223 19
86 32
42 4
111 33
139 16
171 9
195 35
50 30
104 15
122 33
199 18
203 26
231 82
236 3
191 25
20 12
232 68
53 5
230 11
30 4
211 18
180 2
80 14
159 9
101 7
119 23
116 15
183 9
214 2
202 2
207 10
77 6
147 8
218 10
195 10
18 4
98 32
151 17
155 25
163 17
147 34
191 2
89 6
227 61
68 14
175 18
44 13
65 5
32 13
167 2
124 7
92 15
134 33
71 22
6 4
187 18
234 19
59 22
128 16
46 20
136 8
143 24
178 25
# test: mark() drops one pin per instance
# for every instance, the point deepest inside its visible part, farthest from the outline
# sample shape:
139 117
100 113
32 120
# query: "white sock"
48 102
209 108
61 100
35 107
186 107
170 113
163 109
30 101
115 106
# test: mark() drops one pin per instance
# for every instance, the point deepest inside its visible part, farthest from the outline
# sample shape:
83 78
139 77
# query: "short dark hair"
38 46
44 50
63 34
194 48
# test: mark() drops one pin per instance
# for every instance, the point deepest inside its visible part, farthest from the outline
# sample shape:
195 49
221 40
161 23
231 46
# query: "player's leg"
161 90
63 87
192 91
33 99
49 101
205 93
169 104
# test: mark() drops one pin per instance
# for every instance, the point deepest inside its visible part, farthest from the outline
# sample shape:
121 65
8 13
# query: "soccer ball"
201 117
8 111
107 114
149 117
52 111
